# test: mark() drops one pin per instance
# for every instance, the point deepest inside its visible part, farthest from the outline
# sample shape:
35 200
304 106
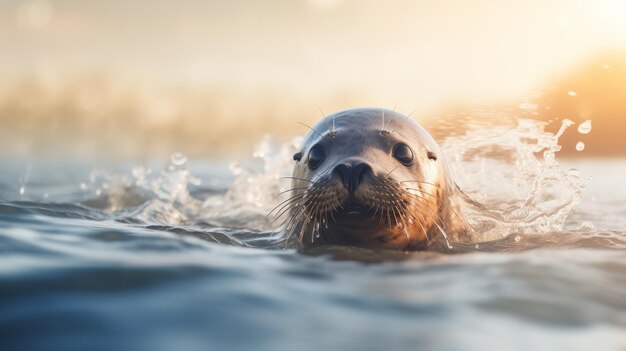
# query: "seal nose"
352 174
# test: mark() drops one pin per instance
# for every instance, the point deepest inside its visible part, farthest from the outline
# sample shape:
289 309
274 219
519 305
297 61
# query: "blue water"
103 257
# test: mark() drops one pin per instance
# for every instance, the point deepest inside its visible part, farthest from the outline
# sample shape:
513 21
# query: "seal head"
370 178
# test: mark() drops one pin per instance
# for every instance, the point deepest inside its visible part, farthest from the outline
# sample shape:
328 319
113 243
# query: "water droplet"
22 190
580 146
477 246
83 186
518 238
178 159
571 93
585 127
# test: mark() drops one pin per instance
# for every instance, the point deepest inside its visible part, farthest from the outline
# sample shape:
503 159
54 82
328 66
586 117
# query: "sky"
307 53
398 49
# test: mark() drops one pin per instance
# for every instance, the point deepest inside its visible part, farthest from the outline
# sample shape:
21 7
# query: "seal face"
370 178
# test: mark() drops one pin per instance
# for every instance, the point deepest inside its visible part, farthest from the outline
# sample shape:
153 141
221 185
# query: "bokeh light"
143 78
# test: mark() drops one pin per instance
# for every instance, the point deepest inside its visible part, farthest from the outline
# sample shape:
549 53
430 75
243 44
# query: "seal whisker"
447 207
421 191
396 167
316 218
445 235
320 109
286 201
405 229
419 222
281 212
311 128
393 211
311 212
423 230
286 208
331 214
288 227
420 181
375 208
314 212
295 220
406 234
451 208
295 210
323 114
301 236
288 190
422 199
296 178
380 218
289 223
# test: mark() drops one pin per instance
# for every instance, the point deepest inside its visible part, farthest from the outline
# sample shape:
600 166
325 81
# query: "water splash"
253 194
585 127
161 198
515 174
173 203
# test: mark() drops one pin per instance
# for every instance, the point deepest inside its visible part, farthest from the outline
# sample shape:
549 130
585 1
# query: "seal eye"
316 156
403 153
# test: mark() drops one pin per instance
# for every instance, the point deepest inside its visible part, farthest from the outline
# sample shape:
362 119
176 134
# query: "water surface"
179 254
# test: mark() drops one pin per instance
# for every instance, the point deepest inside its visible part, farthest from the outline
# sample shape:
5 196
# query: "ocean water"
179 254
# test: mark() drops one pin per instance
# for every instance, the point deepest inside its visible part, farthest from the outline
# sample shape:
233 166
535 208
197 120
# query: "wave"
526 196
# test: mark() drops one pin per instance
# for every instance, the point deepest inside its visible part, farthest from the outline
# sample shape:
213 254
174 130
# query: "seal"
370 178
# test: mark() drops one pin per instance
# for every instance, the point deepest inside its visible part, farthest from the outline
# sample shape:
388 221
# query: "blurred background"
145 78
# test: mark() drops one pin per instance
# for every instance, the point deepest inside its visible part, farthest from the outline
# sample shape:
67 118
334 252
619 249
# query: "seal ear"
297 156
431 155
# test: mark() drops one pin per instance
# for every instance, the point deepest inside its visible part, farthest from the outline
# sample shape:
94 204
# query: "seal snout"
352 173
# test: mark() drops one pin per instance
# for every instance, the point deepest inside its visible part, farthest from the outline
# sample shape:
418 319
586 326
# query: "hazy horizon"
211 77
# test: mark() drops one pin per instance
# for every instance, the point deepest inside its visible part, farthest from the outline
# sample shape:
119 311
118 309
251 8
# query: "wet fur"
405 207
